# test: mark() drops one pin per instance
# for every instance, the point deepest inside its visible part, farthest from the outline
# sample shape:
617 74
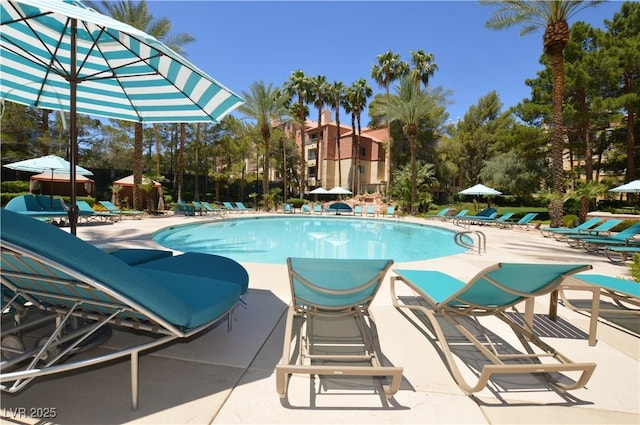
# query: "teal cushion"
203 265
134 256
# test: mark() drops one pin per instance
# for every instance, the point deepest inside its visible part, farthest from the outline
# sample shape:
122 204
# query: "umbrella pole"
73 136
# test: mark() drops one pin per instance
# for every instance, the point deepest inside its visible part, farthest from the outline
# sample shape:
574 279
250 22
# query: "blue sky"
240 42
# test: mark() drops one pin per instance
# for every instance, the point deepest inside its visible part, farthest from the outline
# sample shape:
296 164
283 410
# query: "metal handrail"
482 240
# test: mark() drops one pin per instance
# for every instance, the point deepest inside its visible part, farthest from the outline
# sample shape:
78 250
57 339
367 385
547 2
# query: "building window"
361 168
363 151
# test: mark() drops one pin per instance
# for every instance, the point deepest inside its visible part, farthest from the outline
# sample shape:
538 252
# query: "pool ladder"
459 239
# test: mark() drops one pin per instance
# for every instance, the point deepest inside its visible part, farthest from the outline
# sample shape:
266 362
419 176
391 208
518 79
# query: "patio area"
225 377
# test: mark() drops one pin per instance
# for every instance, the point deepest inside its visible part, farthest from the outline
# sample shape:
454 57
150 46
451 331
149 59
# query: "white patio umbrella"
319 191
62 55
480 190
339 191
49 164
631 187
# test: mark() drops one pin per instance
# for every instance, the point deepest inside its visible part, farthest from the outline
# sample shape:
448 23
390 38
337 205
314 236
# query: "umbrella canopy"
59 183
51 163
631 187
339 191
479 189
62 55
128 181
319 191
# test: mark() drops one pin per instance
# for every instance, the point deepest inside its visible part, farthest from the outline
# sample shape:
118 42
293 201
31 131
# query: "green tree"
138 16
402 187
388 69
424 66
318 92
356 96
410 105
552 16
299 85
265 104
336 94
621 46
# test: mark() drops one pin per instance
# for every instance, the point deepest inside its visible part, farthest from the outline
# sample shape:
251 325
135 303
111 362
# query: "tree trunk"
338 135
181 160
266 136
413 143
557 137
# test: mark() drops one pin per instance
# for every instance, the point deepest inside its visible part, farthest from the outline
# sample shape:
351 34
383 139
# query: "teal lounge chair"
230 207
317 209
115 210
371 211
306 209
625 237
459 214
182 208
391 212
443 212
288 209
623 294
620 254
29 205
84 291
338 292
602 229
240 206
523 223
445 300
357 210
487 214
87 213
549 232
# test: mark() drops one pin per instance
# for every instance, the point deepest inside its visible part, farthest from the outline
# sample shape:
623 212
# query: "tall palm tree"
299 85
335 97
264 104
357 95
424 66
552 16
138 16
410 105
388 69
319 87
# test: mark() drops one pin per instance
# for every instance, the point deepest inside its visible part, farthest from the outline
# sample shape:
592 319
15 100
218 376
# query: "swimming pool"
272 239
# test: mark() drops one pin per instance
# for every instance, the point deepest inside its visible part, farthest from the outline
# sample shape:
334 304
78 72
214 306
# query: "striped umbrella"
62 55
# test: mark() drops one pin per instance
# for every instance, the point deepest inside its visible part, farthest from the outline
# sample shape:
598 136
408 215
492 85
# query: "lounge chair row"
487 216
595 235
341 208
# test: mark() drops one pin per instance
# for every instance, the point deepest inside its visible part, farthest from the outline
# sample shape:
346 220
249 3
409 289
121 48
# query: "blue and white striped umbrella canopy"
121 72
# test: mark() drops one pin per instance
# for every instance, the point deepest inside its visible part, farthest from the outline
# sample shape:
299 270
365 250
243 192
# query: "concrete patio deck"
228 377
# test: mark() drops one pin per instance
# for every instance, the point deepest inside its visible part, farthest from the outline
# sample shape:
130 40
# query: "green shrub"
297 202
635 267
15 186
569 220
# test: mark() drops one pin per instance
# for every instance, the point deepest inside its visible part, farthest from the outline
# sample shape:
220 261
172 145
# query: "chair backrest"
84 208
527 218
241 206
317 208
629 232
109 206
504 217
627 287
607 225
500 286
391 210
357 209
306 208
287 207
228 205
588 224
333 285
371 210
23 203
487 212
462 213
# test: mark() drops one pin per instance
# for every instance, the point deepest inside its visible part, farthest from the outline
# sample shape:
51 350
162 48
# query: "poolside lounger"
86 291
288 209
523 223
371 211
306 209
559 232
459 214
240 206
317 209
487 214
620 254
443 299
391 212
595 243
443 212
625 295
334 295
602 229
49 209
87 213
211 208
357 210
115 210
230 207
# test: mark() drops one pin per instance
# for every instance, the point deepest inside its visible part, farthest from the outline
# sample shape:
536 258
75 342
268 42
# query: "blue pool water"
273 239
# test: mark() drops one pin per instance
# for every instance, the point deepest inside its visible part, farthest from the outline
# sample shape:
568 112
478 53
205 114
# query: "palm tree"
424 66
335 97
357 96
552 16
299 85
410 105
138 16
388 69
319 87
264 104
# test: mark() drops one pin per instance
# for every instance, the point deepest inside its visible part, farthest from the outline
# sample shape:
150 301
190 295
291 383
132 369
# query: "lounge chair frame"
458 312
626 303
298 357
67 295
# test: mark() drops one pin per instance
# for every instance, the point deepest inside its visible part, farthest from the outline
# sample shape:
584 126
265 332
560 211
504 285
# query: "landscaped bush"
635 267
572 206
15 186
297 202
569 220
